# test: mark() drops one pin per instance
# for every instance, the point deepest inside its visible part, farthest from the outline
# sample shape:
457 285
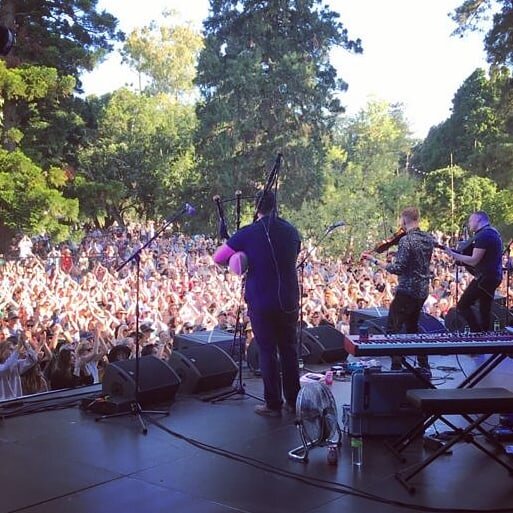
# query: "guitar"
465 247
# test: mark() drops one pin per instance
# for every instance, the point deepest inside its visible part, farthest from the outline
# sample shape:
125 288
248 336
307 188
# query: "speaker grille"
202 368
158 382
325 344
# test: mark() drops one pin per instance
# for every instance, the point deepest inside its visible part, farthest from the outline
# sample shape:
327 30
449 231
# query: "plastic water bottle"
496 325
301 364
357 450
466 330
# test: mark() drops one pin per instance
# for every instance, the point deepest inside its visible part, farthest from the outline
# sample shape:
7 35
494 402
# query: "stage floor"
215 458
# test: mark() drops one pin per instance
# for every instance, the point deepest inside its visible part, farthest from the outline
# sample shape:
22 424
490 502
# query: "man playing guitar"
484 254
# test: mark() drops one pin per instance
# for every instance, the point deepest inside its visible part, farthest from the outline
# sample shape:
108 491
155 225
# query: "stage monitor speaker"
219 338
253 356
427 324
202 368
324 343
454 320
358 317
430 324
158 382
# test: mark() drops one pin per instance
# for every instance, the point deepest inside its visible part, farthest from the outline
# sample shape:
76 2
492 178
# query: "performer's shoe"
265 411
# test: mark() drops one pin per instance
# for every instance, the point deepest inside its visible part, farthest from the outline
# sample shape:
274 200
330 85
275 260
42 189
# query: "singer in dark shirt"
411 265
485 258
272 294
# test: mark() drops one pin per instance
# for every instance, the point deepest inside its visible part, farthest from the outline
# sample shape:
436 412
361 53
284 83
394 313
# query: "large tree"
41 121
166 55
498 42
450 194
140 158
69 35
475 136
366 180
470 14
267 86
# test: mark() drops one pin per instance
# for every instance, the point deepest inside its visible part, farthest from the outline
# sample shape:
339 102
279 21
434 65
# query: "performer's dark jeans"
275 330
405 311
481 291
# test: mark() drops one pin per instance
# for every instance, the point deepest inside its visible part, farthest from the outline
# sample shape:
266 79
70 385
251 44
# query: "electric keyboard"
430 343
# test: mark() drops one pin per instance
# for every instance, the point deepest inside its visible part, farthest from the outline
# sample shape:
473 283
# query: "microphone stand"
238 335
301 268
135 406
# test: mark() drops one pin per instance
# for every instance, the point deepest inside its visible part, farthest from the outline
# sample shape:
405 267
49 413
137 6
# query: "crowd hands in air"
66 311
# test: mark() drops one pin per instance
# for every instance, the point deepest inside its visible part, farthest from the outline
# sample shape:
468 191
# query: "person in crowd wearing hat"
13 323
12 365
222 322
89 353
146 330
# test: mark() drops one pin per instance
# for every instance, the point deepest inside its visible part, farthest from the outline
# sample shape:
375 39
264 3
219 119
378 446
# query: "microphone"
338 224
189 209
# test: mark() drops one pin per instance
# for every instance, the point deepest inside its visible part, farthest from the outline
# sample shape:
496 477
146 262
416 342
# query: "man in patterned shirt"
411 265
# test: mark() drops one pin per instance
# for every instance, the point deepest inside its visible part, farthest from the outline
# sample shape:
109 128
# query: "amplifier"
378 402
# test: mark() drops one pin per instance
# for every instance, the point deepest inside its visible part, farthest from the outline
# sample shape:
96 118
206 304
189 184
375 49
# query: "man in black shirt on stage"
484 256
271 245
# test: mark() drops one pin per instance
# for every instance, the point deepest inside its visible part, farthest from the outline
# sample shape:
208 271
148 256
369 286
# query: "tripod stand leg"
144 428
240 390
135 409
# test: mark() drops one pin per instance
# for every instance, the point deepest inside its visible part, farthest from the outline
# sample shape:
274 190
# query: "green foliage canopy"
32 199
167 54
267 86
141 156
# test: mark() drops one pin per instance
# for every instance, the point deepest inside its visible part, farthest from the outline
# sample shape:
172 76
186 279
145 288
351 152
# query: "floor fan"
316 419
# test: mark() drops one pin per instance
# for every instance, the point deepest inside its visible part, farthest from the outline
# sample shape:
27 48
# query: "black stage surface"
215 458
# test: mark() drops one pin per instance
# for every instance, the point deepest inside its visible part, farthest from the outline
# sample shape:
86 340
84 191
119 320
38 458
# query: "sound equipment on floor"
454 320
203 367
253 356
358 317
324 344
158 382
378 402
219 338
427 324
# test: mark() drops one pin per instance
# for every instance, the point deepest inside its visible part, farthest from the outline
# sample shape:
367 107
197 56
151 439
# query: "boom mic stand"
239 389
135 406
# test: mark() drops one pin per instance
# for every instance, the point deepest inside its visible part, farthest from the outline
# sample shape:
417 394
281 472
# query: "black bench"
436 402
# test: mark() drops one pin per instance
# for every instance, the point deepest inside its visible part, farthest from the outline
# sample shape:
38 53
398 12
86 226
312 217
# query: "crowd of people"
67 311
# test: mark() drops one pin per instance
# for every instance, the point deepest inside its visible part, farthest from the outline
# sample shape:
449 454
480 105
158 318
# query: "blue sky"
409 56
